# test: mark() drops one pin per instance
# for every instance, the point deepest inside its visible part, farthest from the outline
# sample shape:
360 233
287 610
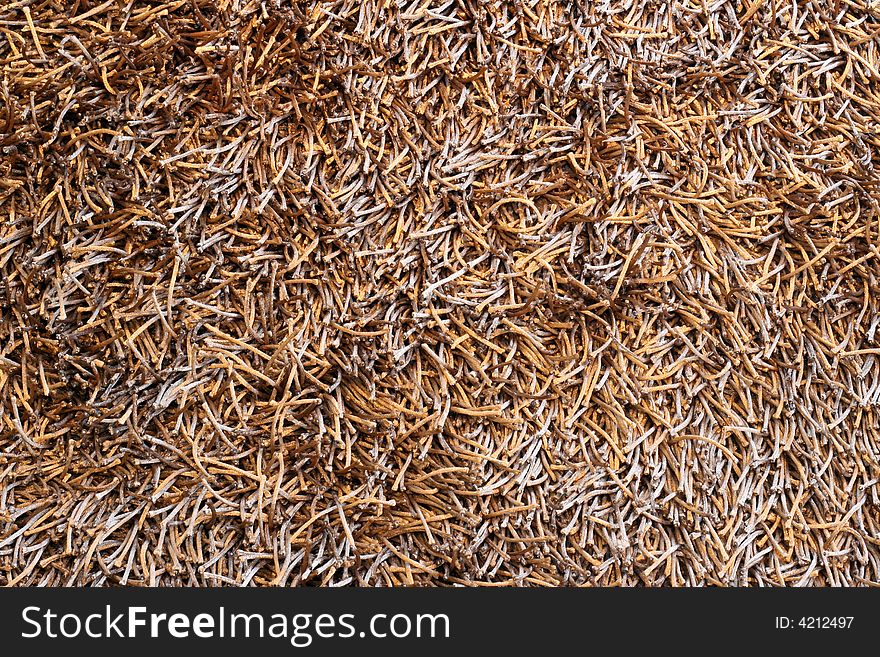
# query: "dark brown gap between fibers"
439 292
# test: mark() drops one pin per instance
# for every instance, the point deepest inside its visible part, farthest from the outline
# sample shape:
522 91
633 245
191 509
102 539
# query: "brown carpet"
380 292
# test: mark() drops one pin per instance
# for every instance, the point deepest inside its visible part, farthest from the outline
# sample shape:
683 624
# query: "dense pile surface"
529 292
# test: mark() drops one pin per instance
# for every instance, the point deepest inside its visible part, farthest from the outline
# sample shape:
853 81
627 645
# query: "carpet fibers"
440 292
